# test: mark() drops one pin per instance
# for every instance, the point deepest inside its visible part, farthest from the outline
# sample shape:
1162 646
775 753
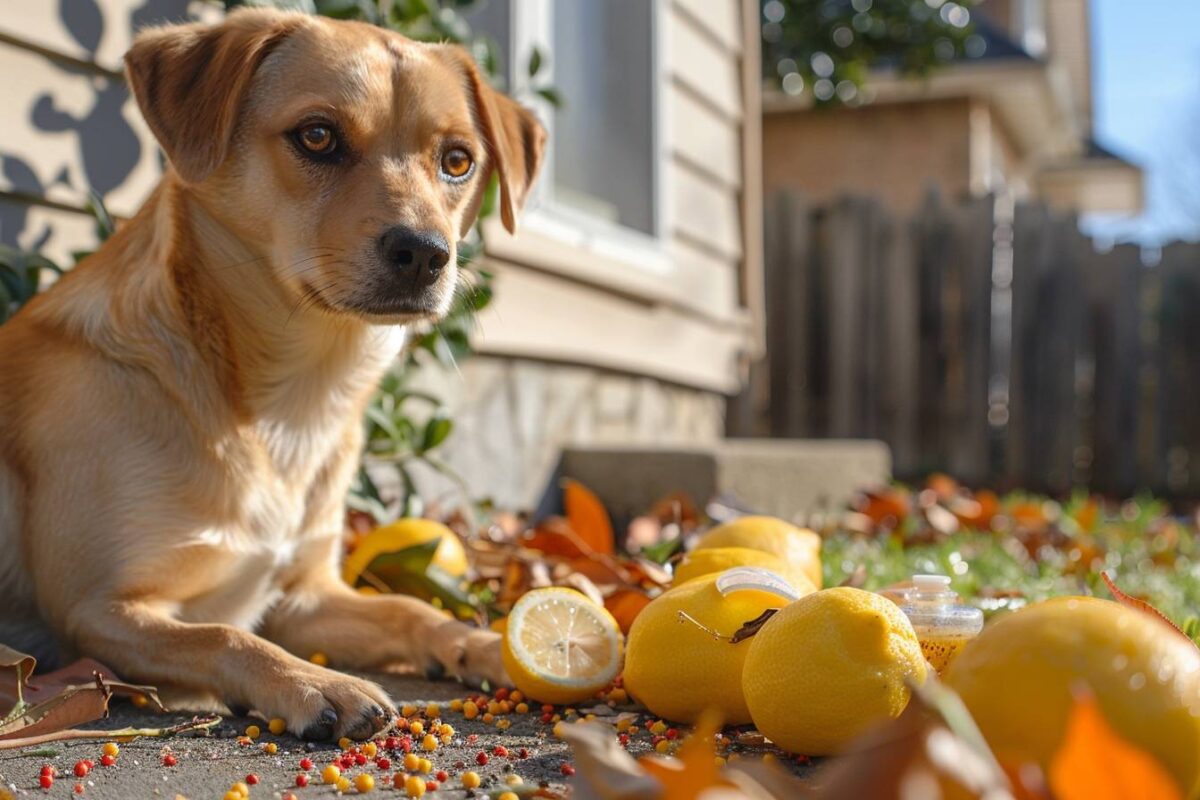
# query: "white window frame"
531 24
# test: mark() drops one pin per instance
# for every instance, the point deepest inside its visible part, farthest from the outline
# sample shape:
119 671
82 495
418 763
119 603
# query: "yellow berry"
488 718
411 762
663 746
456 705
516 696
270 748
331 774
446 730
345 743
414 786
370 749
277 726
558 729
658 728
430 742
471 780
416 729
343 784
320 659
253 731
241 788
514 780
470 710
425 766
232 795
508 796
447 739
432 710
623 724
364 782
503 724
110 749
522 708
408 709
556 718
493 707
506 707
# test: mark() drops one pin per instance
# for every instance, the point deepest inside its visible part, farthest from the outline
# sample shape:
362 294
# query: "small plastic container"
943 625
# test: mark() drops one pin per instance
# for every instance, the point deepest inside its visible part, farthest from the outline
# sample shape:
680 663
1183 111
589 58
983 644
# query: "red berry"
251 779
78 788
302 779
360 759
442 776
481 759
48 769
567 769
169 760
501 693
90 764
384 764
523 753
391 743
500 750
306 764
406 744
472 738
547 709
46 780
460 765
431 786
672 733
546 718
107 761
81 769
623 739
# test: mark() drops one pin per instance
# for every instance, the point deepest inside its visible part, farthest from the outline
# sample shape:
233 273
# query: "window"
602 171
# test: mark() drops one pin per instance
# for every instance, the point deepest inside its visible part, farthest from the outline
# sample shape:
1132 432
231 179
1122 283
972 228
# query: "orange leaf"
694 768
1140 605
1094 763
554 537
588 517
625 605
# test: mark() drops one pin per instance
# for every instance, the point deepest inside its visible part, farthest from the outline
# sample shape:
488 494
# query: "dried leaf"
117 734
17 667
604 771
1094 763
694 769
752 627
62 705
554 536
588 517
625 605
1140 605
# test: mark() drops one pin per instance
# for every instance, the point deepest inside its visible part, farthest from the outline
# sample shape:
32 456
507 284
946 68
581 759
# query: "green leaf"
105 227
661 552
411 571
550 95
535 61
436 430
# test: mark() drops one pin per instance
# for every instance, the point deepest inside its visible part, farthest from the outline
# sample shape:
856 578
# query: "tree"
825 48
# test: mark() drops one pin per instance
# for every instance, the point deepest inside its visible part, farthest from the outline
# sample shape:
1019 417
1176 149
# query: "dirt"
208 766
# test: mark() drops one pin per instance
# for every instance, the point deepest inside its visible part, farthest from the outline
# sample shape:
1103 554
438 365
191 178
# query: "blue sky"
1146 78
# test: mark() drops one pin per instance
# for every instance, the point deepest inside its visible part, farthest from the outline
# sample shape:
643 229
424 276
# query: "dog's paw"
469 654
321 704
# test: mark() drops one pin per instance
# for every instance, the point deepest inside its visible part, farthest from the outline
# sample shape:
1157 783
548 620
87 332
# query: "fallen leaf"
554 536
1140 605
694 767
1094 763
603 770
588 517
625 605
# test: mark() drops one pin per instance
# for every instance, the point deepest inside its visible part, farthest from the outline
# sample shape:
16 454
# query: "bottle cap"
931 583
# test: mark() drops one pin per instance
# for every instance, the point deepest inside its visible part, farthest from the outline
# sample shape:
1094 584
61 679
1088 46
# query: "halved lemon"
560 647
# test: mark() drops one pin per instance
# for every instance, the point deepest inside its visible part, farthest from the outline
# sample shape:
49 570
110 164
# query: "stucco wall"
890 151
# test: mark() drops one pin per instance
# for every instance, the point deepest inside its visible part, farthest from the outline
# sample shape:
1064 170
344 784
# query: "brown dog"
181 415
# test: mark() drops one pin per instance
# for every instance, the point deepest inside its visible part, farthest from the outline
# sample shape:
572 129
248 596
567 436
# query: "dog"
180 415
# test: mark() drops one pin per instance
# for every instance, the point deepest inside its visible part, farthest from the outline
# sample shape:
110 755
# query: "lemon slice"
560 647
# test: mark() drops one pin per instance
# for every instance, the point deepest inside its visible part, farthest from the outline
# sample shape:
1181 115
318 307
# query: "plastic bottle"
943 625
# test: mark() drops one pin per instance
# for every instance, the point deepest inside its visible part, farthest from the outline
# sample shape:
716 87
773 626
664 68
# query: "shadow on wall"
108 146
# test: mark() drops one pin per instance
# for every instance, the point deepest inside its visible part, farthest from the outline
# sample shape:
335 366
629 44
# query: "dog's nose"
417 255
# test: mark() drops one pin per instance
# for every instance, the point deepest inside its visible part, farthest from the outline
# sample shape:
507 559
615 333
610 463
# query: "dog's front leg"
320 613
144 644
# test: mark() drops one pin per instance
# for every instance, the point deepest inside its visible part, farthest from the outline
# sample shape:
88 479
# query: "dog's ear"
516 141
190 80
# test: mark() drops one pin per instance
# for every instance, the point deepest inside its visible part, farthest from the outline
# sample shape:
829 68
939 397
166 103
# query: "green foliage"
825 48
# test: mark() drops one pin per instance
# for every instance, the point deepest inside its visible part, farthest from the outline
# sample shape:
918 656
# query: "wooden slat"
705 68
536 315
705 139
706 282
67 130
720 19
705 213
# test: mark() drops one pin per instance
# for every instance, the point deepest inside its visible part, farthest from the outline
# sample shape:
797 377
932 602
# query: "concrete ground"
208 766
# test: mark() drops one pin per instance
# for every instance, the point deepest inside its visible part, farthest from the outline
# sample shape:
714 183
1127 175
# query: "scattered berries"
252 779
500 750
107 761
111 749
411 762
414 786
508 796
364 783
345 743
416 728
431 786
471 780
429 743
470 710
432 711
481 759
78 788
522 708
270 748
567 769
384 764
81 769
46 780
370 749
343 784
360 759
302 780
306 764
330 774
441 776
168 760
277 726
253 731
426 766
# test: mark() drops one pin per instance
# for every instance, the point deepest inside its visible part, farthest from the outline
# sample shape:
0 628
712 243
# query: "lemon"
678 670
560 647
401 535
1017 679
719 559
799 547
828 667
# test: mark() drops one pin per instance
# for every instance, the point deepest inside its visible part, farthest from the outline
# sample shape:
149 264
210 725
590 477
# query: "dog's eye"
317 139
456 163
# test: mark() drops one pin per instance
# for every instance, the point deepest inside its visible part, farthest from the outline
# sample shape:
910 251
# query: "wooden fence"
993 342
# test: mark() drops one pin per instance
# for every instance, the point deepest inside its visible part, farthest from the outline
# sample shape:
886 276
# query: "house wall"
623 352
891 151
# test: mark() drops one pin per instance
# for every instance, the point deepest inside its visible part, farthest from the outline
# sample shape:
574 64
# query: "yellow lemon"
1018 675
677 669
799 547
401 535
719 559
560 647
828 667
